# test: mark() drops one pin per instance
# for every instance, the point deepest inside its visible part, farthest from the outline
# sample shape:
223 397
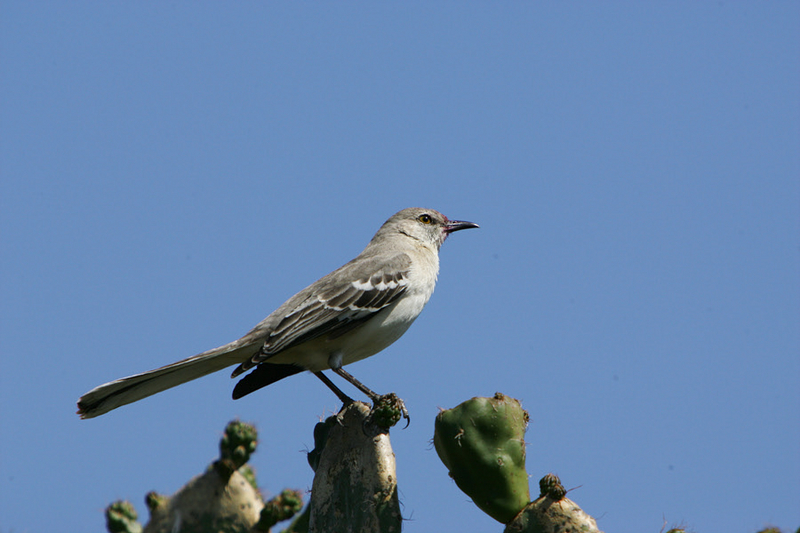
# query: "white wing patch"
382 285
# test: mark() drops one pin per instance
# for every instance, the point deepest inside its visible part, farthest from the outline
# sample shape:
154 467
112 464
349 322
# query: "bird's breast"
383 329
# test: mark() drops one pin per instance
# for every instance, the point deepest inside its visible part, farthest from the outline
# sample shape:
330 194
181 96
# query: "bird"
348 315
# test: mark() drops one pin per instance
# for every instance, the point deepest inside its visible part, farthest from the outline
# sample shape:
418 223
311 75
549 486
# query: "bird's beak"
455 225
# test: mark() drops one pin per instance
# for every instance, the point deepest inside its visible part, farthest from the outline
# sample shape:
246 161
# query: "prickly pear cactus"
209 503
221 499
481 442
282 507
121 517
224 499
355 486
237 444
552 512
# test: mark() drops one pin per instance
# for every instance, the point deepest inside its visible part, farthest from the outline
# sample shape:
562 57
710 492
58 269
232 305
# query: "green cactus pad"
121 517
282 507
238 442
481 442
155 500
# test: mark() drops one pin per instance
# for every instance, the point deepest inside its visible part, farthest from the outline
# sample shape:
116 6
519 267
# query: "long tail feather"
104 398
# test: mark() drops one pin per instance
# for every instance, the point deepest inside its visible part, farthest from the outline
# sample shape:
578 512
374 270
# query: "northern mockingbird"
350 314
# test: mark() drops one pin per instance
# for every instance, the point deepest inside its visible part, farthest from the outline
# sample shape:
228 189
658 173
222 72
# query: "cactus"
223 499
321 431
235 446
387 410
481 442
282 507
300 522
552 512
121 517
355 486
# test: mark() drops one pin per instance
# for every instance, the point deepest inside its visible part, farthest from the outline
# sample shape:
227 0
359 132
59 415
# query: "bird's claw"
387 410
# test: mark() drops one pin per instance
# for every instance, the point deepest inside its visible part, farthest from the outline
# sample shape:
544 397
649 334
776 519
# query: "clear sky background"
172 172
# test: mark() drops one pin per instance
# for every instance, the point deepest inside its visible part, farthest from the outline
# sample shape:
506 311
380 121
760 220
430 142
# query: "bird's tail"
104 398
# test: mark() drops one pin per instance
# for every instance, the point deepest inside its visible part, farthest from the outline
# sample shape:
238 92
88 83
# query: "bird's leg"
347 400
357 384
389 401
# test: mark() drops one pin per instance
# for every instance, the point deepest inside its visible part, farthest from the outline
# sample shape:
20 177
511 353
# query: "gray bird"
352 313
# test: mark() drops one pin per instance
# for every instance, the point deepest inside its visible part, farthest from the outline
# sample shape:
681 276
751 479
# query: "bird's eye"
425 219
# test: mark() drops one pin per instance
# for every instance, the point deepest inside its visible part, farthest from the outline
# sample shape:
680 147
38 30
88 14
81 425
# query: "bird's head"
425 225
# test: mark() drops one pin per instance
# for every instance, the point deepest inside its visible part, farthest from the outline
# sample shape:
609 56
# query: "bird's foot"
388 409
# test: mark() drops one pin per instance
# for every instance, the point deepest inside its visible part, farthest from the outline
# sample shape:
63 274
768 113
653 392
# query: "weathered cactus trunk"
355 486
552 512
223 499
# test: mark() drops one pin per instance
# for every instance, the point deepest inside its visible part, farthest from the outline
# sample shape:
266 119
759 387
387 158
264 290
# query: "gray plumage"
352 313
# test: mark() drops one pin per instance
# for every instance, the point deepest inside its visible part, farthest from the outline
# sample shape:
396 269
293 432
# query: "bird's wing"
333 310
336 304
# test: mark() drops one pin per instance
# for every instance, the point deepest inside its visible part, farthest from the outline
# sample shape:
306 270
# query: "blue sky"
171 173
